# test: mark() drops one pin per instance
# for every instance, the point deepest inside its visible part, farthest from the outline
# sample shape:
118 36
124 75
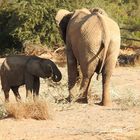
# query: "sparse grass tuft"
128 102
34 110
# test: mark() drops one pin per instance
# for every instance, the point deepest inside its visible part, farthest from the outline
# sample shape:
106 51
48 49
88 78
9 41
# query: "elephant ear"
62 19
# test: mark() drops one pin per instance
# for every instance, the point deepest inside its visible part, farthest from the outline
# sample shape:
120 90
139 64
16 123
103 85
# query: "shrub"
33 20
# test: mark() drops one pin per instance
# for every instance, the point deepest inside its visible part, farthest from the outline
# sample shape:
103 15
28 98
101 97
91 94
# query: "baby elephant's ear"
62 19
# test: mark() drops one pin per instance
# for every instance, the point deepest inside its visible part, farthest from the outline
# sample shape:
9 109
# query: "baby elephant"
20 69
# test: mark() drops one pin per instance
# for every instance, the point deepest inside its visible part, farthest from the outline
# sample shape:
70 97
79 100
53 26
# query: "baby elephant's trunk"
57 76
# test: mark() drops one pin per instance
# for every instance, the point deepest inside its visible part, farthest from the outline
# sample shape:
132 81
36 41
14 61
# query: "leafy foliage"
33 20
25 20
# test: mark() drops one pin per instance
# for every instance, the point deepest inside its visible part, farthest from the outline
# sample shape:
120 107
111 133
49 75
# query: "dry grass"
34 110
129 56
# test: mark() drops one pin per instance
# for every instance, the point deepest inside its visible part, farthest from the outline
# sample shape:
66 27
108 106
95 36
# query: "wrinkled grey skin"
92 41
19 70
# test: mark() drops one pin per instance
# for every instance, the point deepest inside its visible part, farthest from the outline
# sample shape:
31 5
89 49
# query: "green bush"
28 20
33 20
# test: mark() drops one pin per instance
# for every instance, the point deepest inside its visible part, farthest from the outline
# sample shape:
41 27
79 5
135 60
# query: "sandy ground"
83 121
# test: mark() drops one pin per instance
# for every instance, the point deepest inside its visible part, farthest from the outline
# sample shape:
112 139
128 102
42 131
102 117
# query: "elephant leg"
72 73
88 69
16 93
82 97
107 73
6 94
106 78
106 99
29 85
36 86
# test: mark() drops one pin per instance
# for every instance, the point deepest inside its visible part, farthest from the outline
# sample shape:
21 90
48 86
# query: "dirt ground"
82 121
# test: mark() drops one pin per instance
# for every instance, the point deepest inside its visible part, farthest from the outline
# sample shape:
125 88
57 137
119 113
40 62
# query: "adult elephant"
19 70
93 42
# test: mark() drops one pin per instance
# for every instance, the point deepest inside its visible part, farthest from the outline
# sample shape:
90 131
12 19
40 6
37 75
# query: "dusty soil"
82 121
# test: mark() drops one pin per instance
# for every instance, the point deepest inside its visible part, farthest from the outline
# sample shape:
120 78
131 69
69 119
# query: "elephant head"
43 68
62 19
50 70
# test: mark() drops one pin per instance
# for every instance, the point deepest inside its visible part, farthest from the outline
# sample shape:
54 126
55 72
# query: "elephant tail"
106 40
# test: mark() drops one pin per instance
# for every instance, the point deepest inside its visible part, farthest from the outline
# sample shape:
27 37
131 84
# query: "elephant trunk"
57 76
50 69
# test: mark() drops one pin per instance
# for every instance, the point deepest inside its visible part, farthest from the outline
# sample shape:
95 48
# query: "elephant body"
19 70
93 42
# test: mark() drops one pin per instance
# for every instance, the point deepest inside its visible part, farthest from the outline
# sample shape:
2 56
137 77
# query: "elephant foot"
108 104
81 100
68 99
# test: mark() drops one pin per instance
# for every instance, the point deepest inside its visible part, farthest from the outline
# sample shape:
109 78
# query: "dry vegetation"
129 56
27 110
